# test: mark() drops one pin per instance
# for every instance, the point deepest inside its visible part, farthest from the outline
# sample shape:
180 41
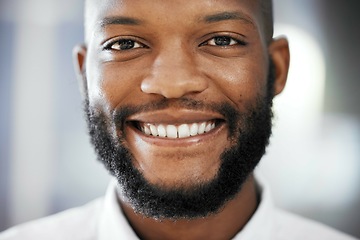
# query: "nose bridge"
174 73
175 63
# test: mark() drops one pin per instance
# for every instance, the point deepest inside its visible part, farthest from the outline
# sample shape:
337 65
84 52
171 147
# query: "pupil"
126 44
222 41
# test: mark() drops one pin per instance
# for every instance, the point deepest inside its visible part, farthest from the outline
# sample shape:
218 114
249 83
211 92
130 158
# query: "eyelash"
136 43
119 41
232 41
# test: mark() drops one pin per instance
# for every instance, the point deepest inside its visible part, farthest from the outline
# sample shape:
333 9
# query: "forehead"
169 11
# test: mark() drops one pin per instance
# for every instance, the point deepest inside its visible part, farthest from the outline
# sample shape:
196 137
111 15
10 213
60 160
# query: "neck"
223 225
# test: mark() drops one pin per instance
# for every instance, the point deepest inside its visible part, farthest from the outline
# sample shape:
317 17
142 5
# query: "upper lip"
175 116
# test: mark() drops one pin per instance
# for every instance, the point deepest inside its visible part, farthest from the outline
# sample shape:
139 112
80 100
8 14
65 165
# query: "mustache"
121 114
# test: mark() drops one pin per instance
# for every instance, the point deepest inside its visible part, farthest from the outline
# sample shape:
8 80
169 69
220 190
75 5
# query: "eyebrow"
223 16
218 17
119 21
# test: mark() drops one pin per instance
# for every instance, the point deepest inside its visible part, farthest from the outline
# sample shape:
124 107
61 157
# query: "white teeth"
208 127
146 130
171 131
202 128
181 131
194 129
184 131
153 130
161 130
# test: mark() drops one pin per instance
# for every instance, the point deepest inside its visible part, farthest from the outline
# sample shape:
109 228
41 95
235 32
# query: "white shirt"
102 219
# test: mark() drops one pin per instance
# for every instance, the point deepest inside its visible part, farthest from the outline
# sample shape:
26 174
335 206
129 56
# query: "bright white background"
48 165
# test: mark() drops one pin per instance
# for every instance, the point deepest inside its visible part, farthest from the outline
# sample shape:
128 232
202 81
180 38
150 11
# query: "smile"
176 131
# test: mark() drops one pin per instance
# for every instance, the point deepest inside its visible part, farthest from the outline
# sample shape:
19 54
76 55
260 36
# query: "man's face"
178 99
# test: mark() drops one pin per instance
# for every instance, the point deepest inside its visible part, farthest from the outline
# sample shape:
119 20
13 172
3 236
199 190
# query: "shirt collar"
113 225
260 225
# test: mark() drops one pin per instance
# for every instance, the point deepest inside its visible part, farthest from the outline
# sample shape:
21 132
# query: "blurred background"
47 164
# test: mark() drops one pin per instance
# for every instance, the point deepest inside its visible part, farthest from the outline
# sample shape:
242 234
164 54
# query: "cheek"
112 84
119 83
94 84
239 80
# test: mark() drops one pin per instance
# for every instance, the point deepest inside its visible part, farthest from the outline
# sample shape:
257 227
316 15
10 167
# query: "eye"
224 44
123 45
223 41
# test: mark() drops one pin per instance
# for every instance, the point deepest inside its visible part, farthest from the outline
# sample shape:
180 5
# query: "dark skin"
138 51
223 225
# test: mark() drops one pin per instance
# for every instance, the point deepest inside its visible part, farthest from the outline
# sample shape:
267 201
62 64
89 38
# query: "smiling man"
178 98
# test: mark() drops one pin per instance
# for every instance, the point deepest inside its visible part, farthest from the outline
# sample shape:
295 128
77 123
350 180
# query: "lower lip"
177 142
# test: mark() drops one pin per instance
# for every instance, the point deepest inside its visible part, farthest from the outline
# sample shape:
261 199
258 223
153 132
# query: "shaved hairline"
266 8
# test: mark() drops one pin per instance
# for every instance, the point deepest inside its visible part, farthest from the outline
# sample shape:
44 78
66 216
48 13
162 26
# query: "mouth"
173 131
172 124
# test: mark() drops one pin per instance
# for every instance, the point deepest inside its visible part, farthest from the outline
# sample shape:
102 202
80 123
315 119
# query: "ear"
79 59
280 54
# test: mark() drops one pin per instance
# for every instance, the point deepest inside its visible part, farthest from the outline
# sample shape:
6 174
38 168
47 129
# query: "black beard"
249 131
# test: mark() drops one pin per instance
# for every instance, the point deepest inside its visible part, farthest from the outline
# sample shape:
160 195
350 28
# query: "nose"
174 74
